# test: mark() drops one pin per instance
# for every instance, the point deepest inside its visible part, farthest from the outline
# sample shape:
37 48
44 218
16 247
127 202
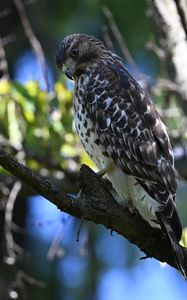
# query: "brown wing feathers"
127 133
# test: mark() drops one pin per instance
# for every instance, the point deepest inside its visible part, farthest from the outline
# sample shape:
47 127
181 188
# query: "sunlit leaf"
5 87
85 159
13 125
62 92
183 241
68 151
32 88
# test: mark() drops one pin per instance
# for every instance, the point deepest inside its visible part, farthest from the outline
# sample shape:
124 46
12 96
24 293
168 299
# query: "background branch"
121 42
35 44
3 62
12 248
97 205
171 32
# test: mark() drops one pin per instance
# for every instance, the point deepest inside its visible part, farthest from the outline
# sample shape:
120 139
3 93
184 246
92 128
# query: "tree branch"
97 205
121 42
3 61
35 44
171 32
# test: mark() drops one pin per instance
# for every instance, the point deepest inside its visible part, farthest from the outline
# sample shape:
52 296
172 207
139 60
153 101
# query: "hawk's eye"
74 52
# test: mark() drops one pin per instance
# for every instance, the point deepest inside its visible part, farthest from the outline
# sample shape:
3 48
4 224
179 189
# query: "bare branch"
172 39
10 244
8 39
157 50
23 277
97 205
3 61
107 38
162 85
182 9
18 285
55 246
35 44
117 34
141 77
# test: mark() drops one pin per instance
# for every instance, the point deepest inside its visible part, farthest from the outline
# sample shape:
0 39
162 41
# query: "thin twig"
141 77
163 84
85 240
35 44
6 40
157 50
22 276
53 250
10 244
117 34
3 61
106 37
19 285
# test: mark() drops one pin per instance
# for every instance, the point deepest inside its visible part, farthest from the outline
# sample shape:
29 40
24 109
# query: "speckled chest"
84 126
125 186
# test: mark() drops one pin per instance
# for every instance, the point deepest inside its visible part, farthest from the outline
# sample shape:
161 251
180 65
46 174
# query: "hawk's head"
77 51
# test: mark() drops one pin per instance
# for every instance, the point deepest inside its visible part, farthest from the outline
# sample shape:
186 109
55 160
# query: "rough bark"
170 19
97 205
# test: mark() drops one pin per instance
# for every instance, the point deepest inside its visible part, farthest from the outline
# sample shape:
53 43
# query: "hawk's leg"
110 167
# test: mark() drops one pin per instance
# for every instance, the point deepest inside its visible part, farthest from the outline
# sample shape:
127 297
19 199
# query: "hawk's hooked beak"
67 72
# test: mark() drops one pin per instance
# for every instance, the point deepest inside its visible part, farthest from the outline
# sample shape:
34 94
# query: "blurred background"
42 254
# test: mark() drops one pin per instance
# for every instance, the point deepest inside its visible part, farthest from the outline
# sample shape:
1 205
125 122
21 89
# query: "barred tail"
174 240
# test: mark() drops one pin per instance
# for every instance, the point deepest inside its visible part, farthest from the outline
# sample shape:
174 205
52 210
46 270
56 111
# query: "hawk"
122 132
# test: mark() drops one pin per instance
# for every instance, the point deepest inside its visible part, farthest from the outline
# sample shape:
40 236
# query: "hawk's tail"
177 250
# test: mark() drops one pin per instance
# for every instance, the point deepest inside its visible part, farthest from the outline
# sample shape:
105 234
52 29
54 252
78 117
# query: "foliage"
40 124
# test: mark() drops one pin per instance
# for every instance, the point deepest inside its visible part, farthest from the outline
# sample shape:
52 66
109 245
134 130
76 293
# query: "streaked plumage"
119 126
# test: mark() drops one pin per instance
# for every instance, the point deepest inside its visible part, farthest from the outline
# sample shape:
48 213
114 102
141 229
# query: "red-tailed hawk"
122 132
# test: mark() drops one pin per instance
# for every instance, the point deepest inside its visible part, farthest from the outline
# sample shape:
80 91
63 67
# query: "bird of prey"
122 132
